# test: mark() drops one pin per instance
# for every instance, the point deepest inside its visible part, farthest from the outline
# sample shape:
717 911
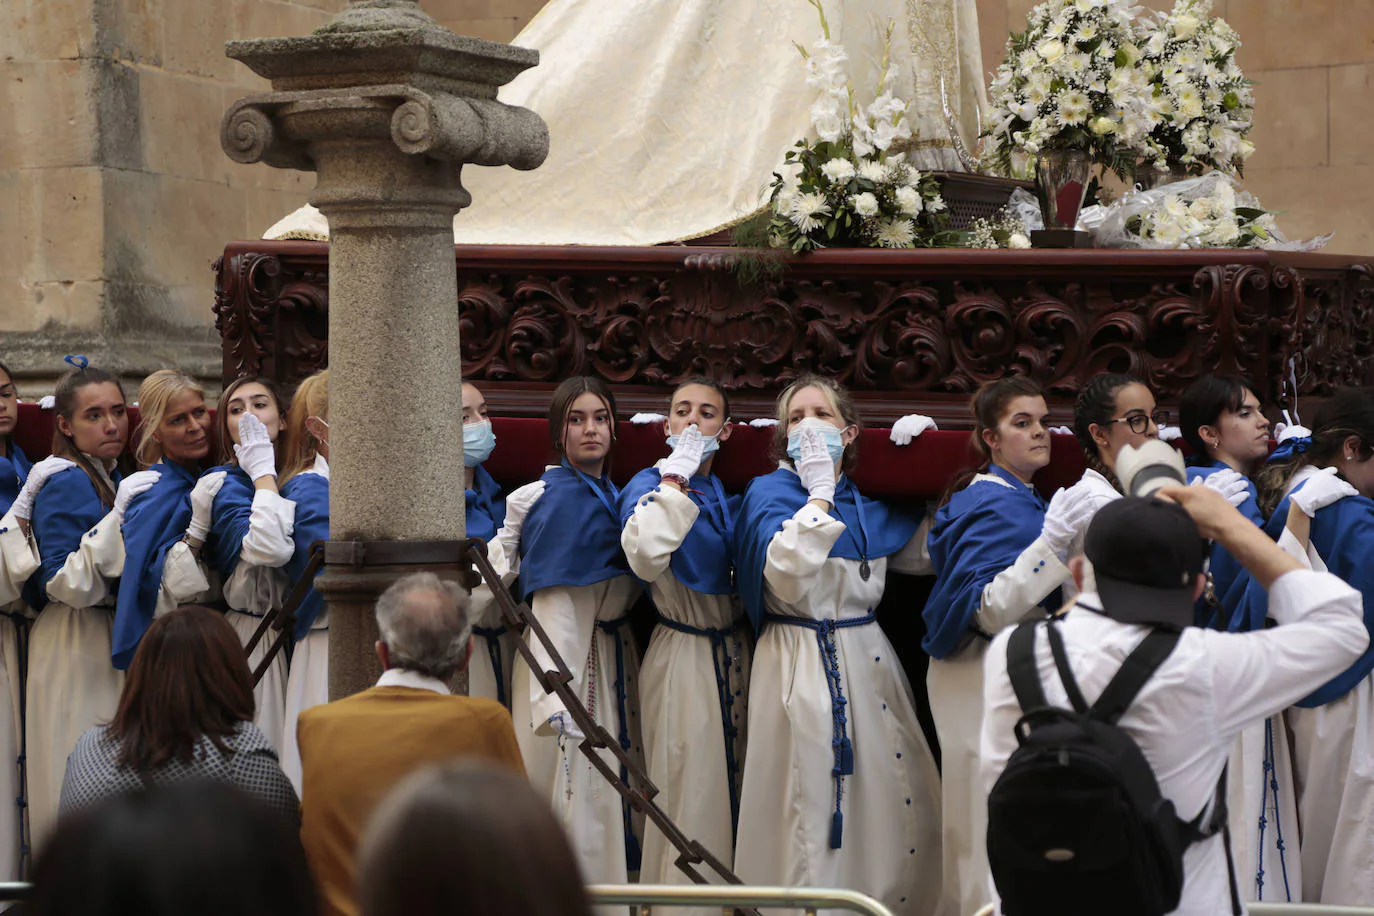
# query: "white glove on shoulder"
686 457
1284 431
645 419
203 505
38 475
1061 430
131 486
1321 490
564 727
1068 516
1170 433
910 427
816 470
1228 483
763 423
47 402
255 453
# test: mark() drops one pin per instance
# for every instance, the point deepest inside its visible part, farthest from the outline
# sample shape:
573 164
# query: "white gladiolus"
826 118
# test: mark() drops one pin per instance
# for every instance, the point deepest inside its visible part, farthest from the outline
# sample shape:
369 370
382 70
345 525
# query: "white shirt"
400 677
1210 687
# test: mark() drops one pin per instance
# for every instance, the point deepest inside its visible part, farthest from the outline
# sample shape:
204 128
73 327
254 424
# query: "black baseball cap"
1146 554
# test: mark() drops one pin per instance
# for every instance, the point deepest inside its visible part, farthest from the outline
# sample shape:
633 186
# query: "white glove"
1230 484
254 451
816 470
763 423
564 727
1170 433
909 427
1321 490
644 419
1283 432
1061 430
47 402
686 458
38 475
203 505
1068 515
131 486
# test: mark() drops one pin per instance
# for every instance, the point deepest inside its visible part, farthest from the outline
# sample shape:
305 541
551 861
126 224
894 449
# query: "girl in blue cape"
562 537
14 615
678 538
247 542
1221 421
998 559
840 789
489 671
305 482
14 464
76 519
1330 478
174 440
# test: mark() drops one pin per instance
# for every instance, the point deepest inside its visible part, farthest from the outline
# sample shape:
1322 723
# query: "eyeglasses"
1140 422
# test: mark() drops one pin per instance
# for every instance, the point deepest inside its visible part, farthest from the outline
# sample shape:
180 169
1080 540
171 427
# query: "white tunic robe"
891 804
680 692
491 669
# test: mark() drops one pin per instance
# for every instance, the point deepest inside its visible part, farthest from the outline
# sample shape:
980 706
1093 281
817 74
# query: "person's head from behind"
469 833
1221 421
1113 411
198 847
188 680
424 626
1144 557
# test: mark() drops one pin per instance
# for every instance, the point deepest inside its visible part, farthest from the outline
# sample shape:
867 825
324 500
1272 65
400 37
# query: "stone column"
386 106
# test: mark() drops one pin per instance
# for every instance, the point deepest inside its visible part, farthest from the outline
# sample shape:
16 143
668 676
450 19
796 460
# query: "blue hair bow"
79 362
1287 449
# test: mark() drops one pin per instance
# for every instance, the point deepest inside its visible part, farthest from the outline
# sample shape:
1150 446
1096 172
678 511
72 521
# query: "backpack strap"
1138 667
1061 662
1021 668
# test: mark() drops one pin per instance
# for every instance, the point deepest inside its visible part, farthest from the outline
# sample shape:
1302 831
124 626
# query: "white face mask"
709 444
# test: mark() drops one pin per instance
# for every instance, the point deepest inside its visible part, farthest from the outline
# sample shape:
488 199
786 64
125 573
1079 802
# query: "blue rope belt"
493 637
1270 782
830 660
721 659
614 628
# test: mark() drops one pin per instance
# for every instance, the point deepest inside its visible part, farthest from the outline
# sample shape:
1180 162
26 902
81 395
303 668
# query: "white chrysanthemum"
1189 102
809 210
838 170
1077 64
864 204
895 233
1057 29
873 170
909 201
1074 107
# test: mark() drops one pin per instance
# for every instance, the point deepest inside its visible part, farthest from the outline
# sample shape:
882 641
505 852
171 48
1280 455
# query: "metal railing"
1273 909
730 897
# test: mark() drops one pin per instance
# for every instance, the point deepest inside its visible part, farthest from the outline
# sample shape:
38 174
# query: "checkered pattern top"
93 771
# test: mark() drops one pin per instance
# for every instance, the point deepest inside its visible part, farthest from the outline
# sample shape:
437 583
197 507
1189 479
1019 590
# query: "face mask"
709 444
834 443
324 440
478 441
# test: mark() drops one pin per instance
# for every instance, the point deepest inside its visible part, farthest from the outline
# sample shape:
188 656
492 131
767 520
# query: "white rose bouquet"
1070 81
850 187
1200 105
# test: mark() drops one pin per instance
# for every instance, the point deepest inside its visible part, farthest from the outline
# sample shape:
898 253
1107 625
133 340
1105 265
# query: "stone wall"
115 197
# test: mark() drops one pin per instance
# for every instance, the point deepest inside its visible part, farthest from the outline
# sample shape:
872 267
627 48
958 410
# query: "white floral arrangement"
1001 231
851 186
1200 105
1070 81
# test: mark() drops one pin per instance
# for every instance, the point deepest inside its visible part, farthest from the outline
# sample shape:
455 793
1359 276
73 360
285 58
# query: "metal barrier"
644 897
11 891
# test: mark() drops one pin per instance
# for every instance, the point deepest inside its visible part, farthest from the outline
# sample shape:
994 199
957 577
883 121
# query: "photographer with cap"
1141 572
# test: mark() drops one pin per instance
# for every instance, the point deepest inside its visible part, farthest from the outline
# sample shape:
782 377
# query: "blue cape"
773 498
1226 569
976 535
1343 534
703 562
310 493
14 468
486 510
65 509
229 522
154 521
571 537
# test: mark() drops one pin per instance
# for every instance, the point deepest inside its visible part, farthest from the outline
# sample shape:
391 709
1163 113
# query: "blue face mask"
834 443
478 441
709 444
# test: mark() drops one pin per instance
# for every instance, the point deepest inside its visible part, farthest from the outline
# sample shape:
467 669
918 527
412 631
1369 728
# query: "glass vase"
1061 180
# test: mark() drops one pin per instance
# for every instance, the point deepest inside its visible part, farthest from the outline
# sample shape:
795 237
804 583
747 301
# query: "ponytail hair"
65 406
310 400
156 392
1349 412
1095 405
989 405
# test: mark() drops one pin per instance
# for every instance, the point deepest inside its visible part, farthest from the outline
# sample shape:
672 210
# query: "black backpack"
1076 823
